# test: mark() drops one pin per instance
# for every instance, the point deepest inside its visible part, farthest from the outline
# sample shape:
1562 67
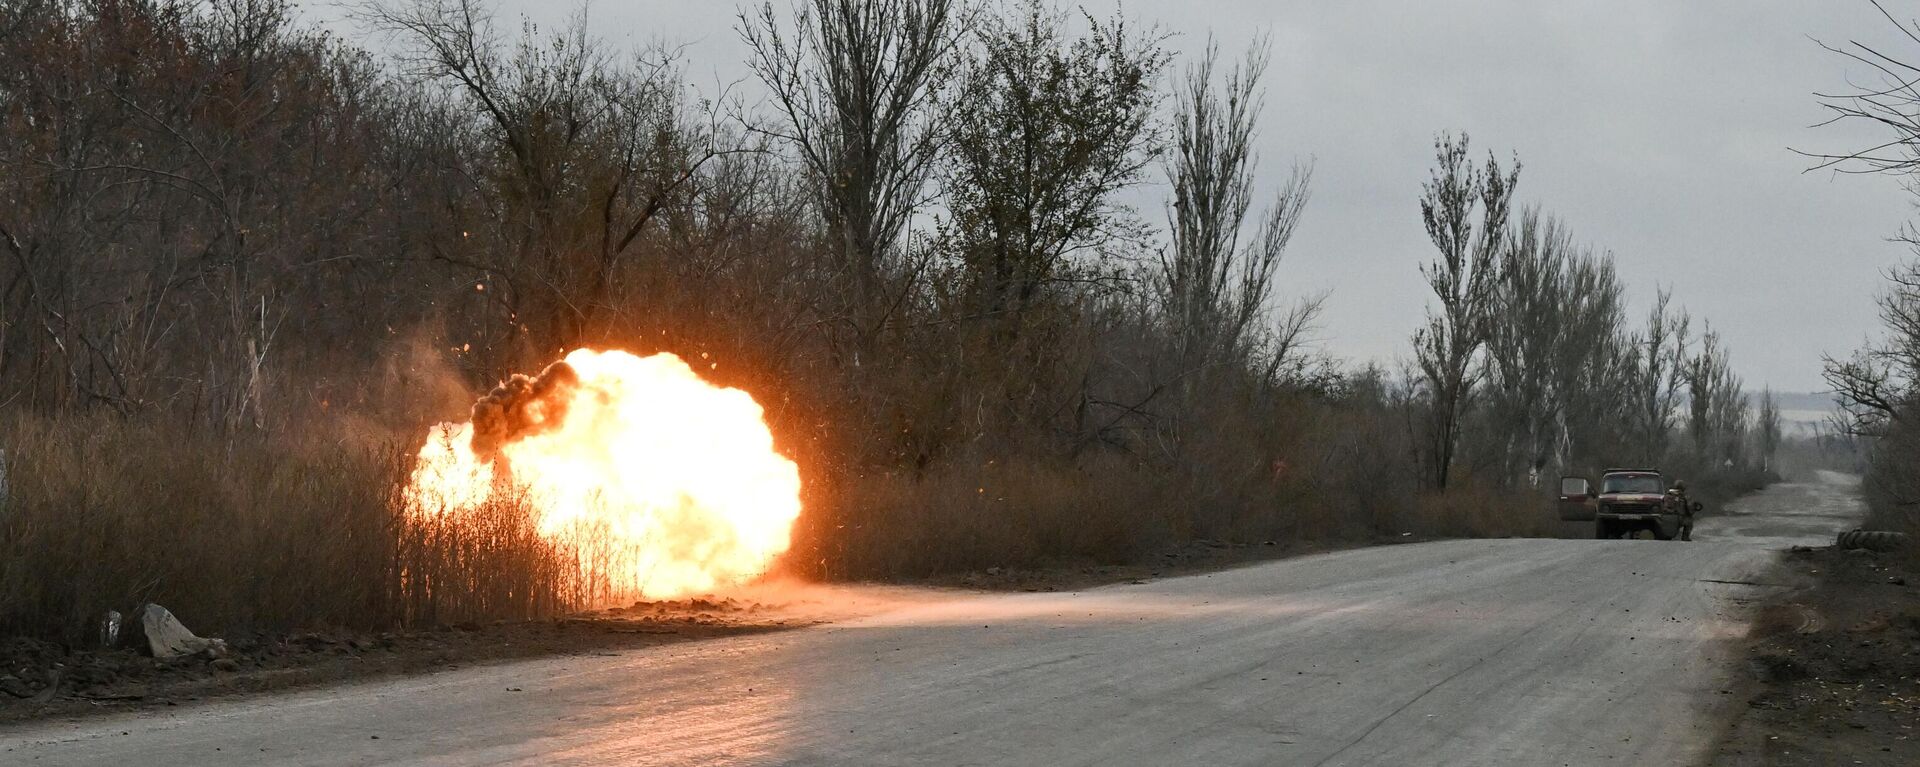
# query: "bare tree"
596 149
1555 351
1877 382
1657 367
1892 104
856 83
1591 372
157 230
1465 207
1766 430
1524 338
1215 289
1716 404
1047 126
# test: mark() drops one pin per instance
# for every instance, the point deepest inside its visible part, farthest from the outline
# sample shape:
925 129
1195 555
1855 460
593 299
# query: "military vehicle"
1629 501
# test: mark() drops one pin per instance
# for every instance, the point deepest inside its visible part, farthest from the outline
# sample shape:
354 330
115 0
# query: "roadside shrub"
228 532
1472 510
247 532
1024 511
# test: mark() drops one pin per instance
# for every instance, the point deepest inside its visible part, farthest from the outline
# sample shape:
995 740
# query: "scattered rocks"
1836 666
1777 668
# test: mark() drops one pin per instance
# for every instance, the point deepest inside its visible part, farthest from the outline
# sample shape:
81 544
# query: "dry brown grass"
237 533
1476 511
981 513
302 526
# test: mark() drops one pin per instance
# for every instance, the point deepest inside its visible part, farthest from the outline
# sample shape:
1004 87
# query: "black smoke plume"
523 406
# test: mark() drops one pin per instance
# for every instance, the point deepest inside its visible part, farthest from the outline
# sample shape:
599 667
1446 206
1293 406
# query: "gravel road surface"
1455 652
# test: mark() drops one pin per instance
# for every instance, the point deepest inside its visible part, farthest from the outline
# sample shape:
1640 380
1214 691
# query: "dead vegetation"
43 678
245 265
245 532
1878 385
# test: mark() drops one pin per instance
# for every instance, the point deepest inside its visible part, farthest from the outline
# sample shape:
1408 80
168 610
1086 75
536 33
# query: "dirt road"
1454 652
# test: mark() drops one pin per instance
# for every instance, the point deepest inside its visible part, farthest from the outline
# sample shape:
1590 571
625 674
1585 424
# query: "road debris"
106 679
167 638
1872 540
1834 668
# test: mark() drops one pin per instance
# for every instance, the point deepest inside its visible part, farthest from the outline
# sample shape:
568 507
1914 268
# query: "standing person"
1677 502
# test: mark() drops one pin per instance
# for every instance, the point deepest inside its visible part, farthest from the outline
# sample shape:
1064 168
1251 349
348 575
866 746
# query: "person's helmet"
1680 484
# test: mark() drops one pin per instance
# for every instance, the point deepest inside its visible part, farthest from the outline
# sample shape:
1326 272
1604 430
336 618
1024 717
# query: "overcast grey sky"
1656 129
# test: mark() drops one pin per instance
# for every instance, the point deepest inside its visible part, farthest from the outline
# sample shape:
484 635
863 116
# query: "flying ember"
662 483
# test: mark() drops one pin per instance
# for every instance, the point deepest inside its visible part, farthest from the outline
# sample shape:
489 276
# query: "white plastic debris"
168 638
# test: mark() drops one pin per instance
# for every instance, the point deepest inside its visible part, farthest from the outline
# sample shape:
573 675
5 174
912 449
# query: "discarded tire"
1873 540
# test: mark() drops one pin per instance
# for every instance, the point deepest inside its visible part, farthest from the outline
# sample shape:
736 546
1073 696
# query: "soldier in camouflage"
1677 502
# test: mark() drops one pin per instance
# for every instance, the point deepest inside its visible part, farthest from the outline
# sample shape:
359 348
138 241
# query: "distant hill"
1802 413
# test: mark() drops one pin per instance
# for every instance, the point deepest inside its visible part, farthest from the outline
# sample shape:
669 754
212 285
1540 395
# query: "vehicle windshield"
1631 483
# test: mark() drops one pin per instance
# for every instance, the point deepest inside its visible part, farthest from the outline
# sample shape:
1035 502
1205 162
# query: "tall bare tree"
1047 126
1555 350
594 147
1525 332
1214 288
169 175
1877 385
855 82
1766 429
1717 405
1465 207
1657 369
1591 370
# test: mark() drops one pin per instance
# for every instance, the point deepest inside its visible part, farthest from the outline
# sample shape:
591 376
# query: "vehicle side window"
1573 486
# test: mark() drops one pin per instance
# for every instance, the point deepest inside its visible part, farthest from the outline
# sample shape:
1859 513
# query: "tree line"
1530 365
911 243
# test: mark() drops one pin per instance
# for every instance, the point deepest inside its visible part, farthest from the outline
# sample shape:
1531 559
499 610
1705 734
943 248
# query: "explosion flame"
672 481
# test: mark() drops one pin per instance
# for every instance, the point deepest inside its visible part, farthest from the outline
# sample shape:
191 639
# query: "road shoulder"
1831 671
44 680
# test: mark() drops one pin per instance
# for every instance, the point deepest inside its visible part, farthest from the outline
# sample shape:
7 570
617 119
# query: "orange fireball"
672 482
